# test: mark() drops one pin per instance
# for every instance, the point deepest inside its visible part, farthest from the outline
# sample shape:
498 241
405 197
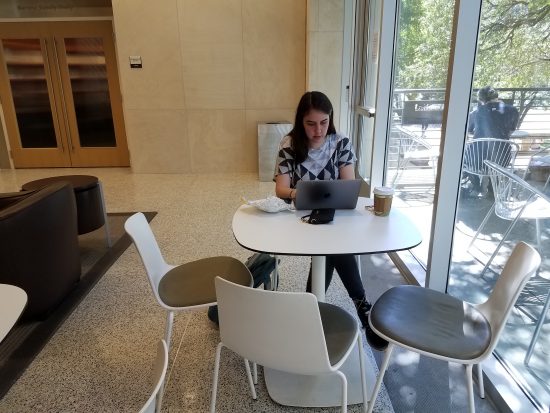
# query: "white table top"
12 303
356 231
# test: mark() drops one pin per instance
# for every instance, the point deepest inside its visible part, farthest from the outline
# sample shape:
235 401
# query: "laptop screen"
336 194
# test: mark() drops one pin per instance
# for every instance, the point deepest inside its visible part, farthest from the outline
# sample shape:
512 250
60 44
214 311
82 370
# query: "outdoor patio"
414 195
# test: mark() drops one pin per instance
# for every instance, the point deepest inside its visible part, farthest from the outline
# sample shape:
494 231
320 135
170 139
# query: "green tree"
513 46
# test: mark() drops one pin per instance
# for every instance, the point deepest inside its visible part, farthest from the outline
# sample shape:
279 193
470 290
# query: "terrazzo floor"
100 359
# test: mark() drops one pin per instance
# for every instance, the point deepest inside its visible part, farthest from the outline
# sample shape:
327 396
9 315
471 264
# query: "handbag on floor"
261 266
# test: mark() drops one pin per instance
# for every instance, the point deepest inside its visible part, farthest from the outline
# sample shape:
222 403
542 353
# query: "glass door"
367 32
64 106
510 100
29 103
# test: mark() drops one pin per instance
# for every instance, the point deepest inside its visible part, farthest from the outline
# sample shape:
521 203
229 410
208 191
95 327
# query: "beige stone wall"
325 42
212 69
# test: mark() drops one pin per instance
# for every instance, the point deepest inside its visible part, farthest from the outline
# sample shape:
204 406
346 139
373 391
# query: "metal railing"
425 107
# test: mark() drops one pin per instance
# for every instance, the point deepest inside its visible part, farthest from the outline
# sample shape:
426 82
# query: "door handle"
63 101
48 70
366 111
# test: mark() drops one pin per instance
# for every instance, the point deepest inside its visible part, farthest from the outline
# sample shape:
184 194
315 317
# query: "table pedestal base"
319 391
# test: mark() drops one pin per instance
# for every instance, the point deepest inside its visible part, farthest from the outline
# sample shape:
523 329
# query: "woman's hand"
282 187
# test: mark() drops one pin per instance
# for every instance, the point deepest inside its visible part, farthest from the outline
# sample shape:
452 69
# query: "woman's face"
316 126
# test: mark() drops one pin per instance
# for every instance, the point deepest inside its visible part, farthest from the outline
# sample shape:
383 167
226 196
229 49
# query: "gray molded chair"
310 338
437 325
188 286
153 404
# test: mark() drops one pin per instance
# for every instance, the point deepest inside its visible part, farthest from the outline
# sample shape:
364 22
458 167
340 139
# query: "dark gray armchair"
39 249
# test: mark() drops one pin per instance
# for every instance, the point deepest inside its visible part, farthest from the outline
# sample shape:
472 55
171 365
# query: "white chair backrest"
139 230
501 151
279 330
406 141
512 194
540 158
159 373
520 266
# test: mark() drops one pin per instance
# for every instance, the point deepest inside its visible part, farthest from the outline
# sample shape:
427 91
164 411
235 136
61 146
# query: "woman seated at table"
313 150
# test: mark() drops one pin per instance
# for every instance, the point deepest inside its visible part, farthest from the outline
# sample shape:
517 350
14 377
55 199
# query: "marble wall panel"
212 50
274 52
331 15
150 30
218 142
158 141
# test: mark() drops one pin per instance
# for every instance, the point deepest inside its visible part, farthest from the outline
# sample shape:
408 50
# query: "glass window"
420 75
509 124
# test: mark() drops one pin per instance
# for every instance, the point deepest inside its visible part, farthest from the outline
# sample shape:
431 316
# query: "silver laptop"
336 194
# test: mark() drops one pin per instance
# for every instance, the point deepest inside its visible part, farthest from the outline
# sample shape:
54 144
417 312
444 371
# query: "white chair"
410 149
188 286
285 331
500 151
514 199
437 325
153 404
539 167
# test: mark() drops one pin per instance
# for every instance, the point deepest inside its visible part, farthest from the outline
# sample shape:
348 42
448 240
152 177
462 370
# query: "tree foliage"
513 44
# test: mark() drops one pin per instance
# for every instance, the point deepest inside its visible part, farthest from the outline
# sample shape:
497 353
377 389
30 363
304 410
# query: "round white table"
354 231
12 303
357 231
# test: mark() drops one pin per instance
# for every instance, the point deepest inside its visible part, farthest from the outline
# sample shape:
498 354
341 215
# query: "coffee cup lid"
383 190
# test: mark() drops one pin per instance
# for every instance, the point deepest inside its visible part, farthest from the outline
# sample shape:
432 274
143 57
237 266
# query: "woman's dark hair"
310 100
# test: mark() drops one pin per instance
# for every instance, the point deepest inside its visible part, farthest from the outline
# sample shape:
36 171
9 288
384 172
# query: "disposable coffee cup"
383 196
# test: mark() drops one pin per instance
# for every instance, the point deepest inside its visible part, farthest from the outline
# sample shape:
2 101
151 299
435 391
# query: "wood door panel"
80 86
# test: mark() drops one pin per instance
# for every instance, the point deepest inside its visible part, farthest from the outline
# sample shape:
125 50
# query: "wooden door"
81 78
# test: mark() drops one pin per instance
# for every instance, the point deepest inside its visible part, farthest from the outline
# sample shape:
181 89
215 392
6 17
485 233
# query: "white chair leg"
249 377
358 259
362 371
275 281
215 379
160 397
470 384
537 225
255 372
344 391
106 225
481 227
378 384
168 328
167 337
480 384
495 252
540 323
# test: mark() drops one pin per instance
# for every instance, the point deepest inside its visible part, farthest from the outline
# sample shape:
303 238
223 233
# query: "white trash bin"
269 137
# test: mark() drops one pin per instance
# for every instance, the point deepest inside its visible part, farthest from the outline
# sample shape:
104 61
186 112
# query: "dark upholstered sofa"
39 245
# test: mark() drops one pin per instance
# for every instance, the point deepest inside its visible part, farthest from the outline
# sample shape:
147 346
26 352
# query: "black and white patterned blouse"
323 163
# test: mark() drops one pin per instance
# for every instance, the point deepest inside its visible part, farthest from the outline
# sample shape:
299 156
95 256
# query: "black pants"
347 269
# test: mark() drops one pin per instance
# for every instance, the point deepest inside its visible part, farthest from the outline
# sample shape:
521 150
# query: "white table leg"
106 225
318 277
